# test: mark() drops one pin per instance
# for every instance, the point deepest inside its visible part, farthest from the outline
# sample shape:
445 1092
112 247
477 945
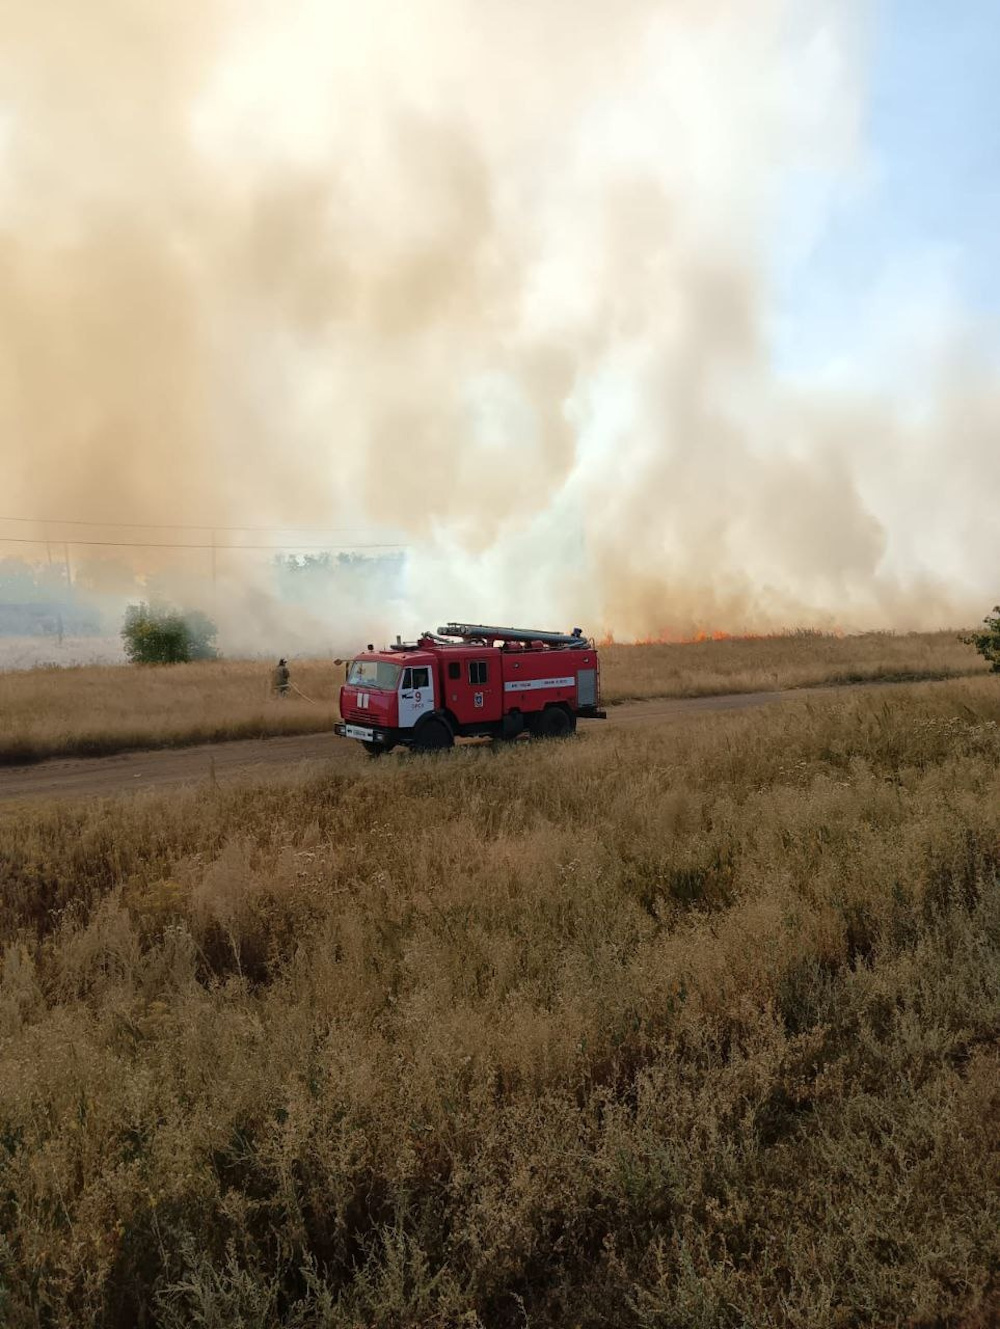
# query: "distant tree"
303 578
154 634
36 599
987 642
18 580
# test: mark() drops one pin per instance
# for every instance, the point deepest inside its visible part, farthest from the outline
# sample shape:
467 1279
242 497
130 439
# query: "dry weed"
96 710
692 1026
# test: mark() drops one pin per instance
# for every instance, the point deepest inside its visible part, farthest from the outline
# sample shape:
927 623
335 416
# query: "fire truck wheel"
511 728
554 722
375 749
432 736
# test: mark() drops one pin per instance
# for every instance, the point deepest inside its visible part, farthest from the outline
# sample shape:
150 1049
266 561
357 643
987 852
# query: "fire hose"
311 700
303 695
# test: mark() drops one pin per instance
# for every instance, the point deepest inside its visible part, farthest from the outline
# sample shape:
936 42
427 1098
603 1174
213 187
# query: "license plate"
359 731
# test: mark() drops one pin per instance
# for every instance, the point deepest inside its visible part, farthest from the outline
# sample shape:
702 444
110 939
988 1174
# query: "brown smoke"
486 274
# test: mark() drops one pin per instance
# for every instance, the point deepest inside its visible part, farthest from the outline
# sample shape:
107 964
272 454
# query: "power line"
142 544
178 526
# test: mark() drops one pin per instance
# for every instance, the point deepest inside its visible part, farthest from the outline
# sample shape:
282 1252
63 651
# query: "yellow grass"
794 660
691 1026
100 709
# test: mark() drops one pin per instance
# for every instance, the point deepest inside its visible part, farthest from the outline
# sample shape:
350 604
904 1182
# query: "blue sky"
925 213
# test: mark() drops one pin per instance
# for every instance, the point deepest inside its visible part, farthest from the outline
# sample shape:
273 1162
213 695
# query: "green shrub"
987 642
157 635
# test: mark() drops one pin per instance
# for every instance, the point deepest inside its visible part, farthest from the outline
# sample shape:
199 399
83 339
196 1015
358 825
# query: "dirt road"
81 777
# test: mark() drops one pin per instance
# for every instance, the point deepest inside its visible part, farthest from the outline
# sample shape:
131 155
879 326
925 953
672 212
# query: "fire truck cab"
470 681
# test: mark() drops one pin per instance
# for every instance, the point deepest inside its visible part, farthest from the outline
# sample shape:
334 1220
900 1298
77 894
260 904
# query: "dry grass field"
792 660
697 1026
100 709
103 709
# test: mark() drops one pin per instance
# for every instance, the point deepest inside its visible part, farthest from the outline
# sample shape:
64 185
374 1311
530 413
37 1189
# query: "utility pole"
59 617
69 567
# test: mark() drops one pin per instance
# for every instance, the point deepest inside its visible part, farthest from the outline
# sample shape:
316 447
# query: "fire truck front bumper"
366 733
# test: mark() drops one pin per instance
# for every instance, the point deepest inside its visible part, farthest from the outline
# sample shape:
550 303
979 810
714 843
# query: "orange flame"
668 637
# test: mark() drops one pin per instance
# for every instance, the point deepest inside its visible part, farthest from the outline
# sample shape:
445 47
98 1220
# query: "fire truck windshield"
378 674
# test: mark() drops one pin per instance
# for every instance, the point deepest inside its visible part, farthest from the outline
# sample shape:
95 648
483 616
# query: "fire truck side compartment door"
483 679
586 687
416 694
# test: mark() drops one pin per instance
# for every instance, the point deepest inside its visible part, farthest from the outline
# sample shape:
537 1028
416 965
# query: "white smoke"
498 277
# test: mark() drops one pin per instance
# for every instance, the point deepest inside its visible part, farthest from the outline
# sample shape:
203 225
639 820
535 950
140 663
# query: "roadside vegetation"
986 639
690 1026
159 634
97 710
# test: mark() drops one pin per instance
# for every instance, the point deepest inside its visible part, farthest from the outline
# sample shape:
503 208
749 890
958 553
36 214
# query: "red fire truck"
467 680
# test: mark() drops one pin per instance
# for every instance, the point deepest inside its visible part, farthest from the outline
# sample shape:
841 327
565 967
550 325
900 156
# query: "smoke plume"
490 280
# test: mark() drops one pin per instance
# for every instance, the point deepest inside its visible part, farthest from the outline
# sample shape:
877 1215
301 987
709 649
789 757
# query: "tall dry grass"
792 660
697 1026
98 710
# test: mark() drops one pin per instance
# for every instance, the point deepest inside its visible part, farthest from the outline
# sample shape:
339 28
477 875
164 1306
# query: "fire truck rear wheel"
432 736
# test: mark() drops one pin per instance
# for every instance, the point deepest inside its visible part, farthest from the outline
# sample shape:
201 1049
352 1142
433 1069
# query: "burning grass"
97 710
696 1026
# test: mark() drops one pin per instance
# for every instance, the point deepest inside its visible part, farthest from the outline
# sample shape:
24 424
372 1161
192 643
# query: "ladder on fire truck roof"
479 632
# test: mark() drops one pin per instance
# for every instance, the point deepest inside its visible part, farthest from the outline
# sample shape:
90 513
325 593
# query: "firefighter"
281 679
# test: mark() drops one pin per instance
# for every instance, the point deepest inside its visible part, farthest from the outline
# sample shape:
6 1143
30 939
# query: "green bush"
987 642
158 635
